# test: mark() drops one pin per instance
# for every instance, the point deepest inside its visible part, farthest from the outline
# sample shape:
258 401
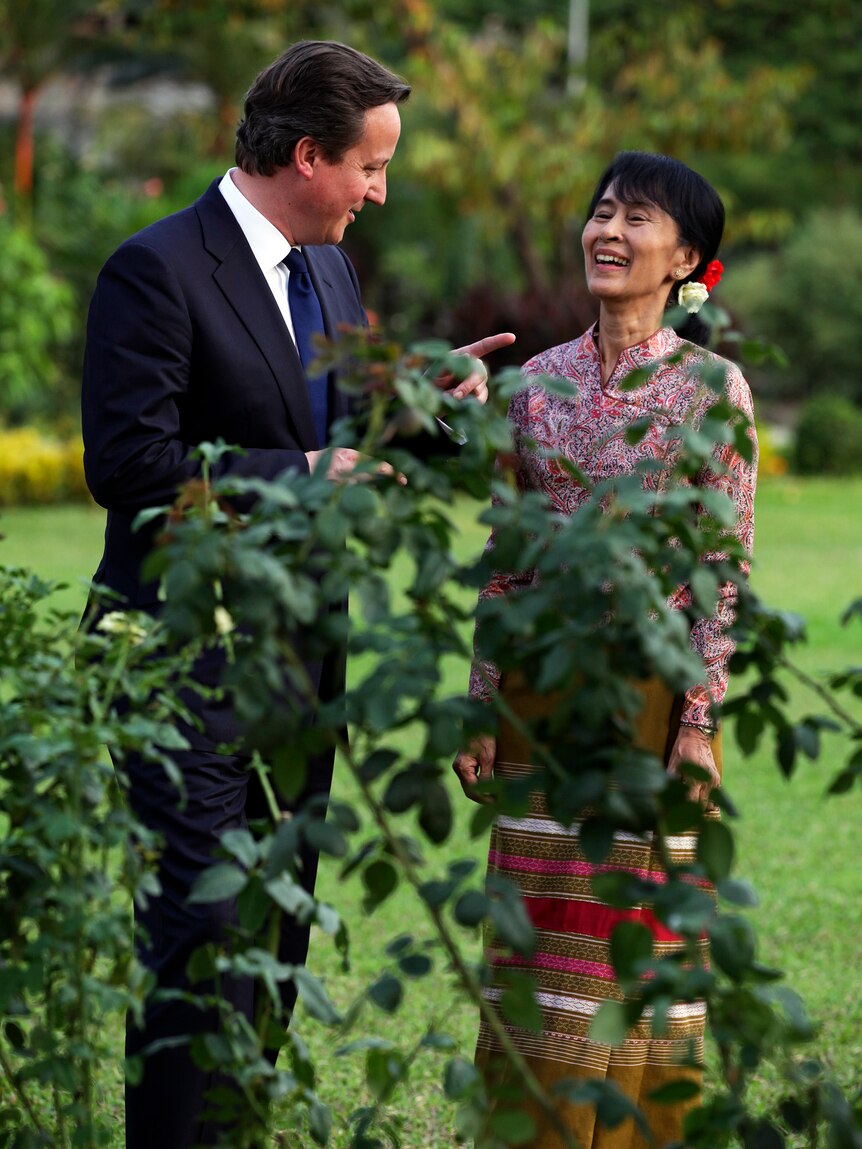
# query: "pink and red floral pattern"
589 429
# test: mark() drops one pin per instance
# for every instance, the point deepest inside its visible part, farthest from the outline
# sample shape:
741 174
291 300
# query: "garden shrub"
251 583
802 297
36 322
35 468
828 437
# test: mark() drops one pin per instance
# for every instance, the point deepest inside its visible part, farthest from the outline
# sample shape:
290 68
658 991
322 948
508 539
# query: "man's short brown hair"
318 88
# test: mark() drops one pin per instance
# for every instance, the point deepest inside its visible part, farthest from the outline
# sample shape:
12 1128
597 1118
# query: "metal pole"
579 31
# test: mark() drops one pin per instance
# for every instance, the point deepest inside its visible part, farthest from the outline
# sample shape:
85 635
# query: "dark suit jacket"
185 344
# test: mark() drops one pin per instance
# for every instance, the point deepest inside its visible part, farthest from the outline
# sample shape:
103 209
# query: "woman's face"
632 250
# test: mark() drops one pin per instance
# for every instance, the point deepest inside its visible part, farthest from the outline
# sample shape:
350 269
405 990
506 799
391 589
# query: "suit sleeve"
137 371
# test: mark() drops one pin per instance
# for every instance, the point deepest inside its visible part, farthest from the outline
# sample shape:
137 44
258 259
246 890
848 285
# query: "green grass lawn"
795 844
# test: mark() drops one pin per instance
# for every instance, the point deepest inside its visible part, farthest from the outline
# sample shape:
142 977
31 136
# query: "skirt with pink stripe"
572 967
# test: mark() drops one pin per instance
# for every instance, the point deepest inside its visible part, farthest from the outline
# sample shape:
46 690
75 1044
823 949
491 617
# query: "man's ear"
306 153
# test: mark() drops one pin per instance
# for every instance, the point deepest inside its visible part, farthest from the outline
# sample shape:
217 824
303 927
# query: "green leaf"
631 949
377 764
291 896
202 964
518 1003
218 884
358 501
619 890
314 997
786 750
808 739
386 993
383 1070
283 849
637 430
471 908
328 918
240 845
597 838
732 945
289 773
253 904
399 945
513 1126
460 1078
435 815
682 1089
436 892
319 1121
509 916
415 965
609 1026
325 837
405 789
844 781
438 1041
738 893
749 727
715 850
380 880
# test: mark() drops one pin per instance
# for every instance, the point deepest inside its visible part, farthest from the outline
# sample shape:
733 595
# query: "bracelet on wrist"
707 728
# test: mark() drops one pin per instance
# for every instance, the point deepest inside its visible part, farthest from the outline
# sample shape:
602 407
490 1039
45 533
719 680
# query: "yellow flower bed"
38 469
772 461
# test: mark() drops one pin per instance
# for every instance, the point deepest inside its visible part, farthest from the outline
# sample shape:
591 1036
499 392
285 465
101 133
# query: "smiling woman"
653 224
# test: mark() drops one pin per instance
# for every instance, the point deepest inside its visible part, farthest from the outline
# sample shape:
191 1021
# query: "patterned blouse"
589 428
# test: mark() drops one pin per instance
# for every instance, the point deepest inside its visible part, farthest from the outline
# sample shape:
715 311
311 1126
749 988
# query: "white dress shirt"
268 245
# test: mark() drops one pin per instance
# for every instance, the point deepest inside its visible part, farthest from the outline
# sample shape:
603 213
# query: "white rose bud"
116 622
224 624
692 296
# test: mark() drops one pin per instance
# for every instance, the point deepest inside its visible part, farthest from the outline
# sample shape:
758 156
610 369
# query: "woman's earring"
679 273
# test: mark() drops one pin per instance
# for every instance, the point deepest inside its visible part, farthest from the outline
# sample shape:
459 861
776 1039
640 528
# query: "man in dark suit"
194 333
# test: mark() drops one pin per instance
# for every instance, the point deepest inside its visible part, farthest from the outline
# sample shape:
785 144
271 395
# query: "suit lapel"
240 280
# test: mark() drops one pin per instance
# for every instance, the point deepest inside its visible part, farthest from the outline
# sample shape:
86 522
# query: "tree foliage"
36 313
795 296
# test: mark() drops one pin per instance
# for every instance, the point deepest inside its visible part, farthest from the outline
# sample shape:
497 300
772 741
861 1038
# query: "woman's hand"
695 745
476 383
476 764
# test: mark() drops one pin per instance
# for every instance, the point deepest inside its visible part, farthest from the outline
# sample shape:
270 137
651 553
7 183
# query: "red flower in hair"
712 276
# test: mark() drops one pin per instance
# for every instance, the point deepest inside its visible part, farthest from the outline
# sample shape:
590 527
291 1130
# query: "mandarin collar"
656 346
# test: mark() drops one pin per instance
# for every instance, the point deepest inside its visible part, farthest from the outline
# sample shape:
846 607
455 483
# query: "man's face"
339 190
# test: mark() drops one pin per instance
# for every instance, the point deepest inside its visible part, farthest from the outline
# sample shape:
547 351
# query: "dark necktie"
308 321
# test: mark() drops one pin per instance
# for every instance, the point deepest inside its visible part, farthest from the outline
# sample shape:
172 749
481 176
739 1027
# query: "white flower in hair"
692 296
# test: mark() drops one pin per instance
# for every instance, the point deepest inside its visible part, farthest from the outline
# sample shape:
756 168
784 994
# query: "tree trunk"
24 144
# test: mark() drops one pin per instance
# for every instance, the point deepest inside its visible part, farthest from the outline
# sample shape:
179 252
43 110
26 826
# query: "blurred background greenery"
116 112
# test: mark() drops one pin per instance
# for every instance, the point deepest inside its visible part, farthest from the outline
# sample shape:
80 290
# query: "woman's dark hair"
694 205
318 88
